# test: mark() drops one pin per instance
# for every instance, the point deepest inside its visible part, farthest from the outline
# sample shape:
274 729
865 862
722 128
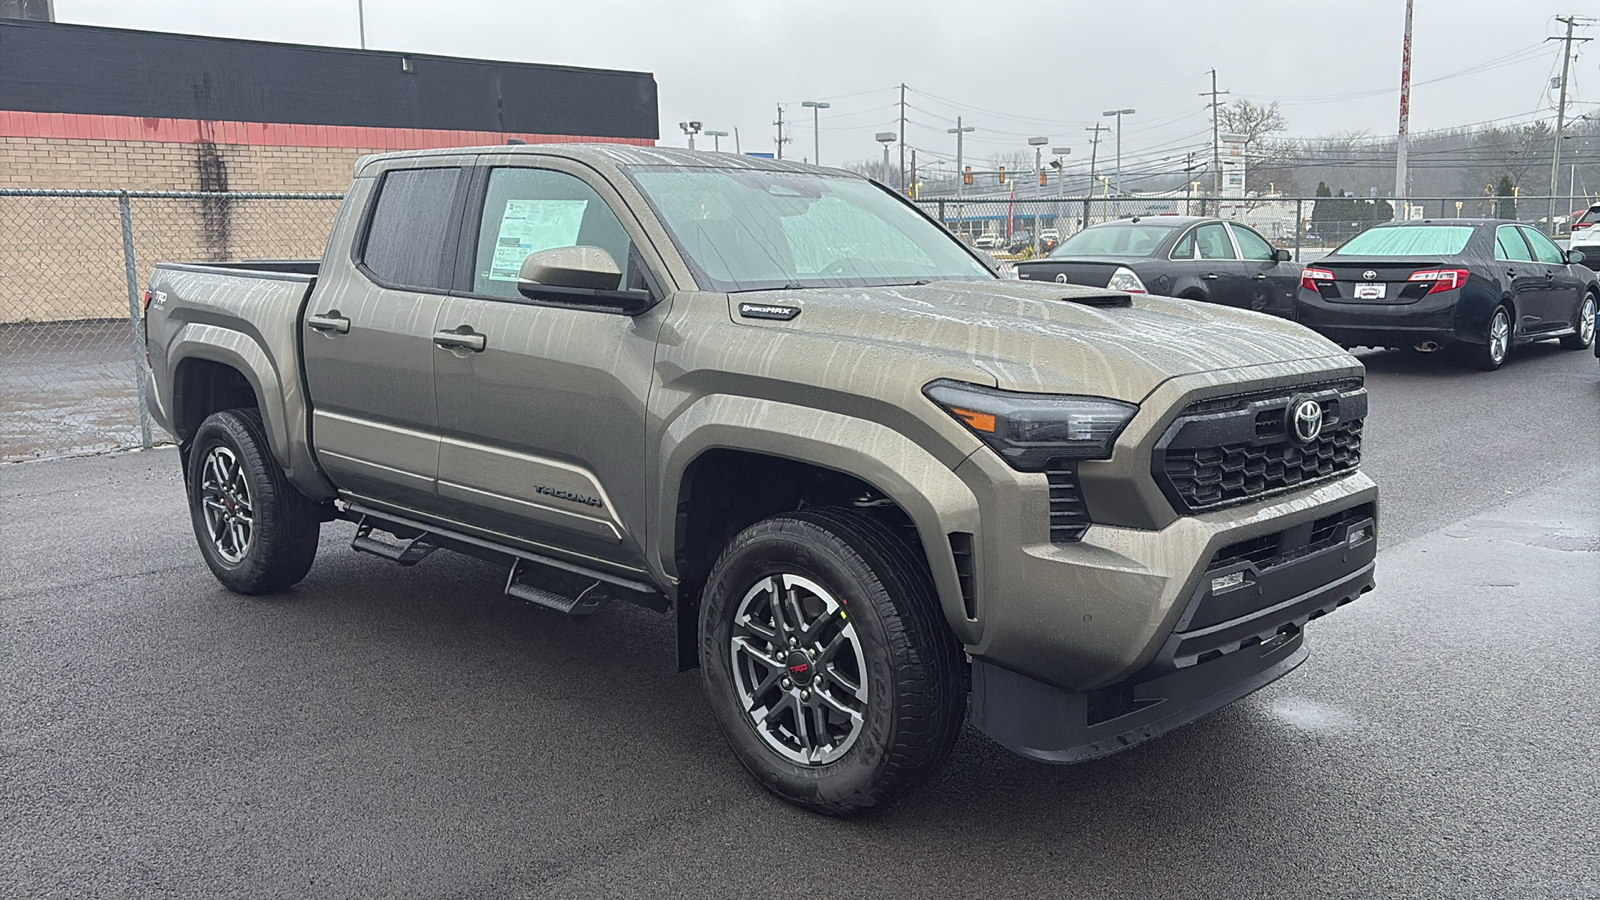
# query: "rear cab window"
408 232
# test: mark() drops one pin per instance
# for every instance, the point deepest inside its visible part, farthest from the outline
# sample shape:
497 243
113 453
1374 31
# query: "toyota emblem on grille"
1062 278
1370 275
1306 424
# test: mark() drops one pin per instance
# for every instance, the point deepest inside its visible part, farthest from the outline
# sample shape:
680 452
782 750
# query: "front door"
368 338
1558 306
1271 286
542 428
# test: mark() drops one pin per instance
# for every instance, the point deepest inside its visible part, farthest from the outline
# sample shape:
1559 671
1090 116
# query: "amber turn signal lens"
977 421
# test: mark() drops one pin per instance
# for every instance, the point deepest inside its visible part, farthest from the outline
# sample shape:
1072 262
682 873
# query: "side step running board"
407 554
587 601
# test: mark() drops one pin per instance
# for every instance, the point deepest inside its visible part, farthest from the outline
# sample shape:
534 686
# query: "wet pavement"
67 388
394 732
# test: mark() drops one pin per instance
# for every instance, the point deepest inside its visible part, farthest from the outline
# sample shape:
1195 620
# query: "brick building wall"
61 258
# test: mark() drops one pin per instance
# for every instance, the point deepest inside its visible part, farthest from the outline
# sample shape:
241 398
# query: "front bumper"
1240 629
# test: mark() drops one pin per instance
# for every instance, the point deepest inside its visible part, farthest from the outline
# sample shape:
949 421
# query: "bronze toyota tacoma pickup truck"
867 476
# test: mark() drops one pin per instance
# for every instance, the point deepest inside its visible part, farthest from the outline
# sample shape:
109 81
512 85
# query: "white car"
1586 236
987 241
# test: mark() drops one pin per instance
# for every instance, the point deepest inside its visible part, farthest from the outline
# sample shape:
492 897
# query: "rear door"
542 427
1562 289
1523 272
1222 275
368 337
1271 283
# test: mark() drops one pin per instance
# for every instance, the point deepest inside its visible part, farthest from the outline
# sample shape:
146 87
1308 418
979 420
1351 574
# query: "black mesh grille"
1069 517
1232 450
1231 473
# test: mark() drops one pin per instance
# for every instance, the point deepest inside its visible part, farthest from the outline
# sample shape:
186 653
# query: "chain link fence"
73 268
1020 228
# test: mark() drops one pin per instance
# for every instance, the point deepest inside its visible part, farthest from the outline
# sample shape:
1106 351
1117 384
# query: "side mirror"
1281 255
574 267
581 277
1575 257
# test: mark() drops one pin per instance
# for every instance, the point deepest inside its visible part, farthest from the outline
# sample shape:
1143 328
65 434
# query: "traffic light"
966 175
1002 174
1043 181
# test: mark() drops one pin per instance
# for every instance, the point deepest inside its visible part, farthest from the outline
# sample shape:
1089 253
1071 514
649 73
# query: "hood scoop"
1101 299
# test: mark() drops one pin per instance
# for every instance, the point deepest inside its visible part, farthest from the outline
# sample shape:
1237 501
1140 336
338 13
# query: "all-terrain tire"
257 532
912 664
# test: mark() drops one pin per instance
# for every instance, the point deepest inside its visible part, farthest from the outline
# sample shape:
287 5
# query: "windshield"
752 230
1410 240
1115 239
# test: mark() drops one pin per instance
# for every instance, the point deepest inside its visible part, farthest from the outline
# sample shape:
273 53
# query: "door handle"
1210 276
1260 277
463 338
330 322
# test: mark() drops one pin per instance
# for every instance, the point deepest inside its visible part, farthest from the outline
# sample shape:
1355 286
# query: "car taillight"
1578 225
1443 279
1123 279
1310 277
147 303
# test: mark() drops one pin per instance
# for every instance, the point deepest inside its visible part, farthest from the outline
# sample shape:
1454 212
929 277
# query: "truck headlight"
1029 430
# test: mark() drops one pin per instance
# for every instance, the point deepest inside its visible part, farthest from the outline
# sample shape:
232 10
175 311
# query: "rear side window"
1184 248
1509 246
1213 242
1544 250
405 244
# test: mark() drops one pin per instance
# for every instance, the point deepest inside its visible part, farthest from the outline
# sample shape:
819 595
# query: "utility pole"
1216 130
1561 113
913 191
961 179
1401 181
903 137
361 21
781 138
1094 152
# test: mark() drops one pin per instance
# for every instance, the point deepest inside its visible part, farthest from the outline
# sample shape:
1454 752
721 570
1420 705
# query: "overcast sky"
1046 69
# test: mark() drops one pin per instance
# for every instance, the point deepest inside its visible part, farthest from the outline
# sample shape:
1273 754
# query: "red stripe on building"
76 126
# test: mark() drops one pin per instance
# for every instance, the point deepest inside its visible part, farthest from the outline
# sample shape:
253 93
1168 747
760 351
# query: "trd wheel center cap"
801 671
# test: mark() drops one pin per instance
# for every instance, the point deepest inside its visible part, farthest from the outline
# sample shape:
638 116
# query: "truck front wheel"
826 663
257 532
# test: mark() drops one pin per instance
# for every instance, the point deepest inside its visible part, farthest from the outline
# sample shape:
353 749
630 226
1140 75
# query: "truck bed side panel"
248 320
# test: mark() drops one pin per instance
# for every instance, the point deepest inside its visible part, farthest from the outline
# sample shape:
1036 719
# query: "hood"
1048 337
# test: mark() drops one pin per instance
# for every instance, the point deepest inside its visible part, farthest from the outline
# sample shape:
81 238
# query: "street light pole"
1119 113
1061 171
716 139
691 129
816 140
961 175
361 21
886 138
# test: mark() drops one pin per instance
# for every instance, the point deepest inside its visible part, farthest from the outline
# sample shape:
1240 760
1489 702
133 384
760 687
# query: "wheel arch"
768 455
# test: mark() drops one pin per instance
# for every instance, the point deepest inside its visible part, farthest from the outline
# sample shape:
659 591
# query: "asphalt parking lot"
410 733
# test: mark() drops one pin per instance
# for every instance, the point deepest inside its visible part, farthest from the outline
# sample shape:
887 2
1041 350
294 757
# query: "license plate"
1370 291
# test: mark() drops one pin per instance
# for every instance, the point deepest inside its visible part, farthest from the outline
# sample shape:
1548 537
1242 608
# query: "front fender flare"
937 501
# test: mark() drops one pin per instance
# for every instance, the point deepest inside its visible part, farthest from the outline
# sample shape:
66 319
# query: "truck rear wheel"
257 532
826 662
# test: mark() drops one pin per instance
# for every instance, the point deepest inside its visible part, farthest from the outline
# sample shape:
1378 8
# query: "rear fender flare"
240 352
937 501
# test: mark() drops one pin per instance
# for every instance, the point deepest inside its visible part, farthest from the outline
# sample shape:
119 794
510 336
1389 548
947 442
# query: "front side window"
1544 249
754 229
1508 245
406 236
527 210
1252 245
1213 242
